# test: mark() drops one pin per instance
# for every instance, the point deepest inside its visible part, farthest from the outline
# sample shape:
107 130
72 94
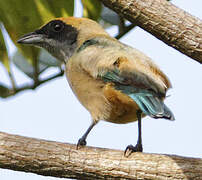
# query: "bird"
112 80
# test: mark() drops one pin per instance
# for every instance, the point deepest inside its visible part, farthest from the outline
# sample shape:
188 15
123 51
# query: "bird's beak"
31 38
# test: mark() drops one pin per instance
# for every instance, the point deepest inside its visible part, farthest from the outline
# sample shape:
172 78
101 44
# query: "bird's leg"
82 140
138 147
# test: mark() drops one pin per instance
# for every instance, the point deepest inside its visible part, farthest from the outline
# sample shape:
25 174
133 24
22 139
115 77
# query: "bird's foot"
81 142
130 149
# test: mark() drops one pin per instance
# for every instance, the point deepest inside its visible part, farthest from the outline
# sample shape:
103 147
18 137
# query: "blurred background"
31 105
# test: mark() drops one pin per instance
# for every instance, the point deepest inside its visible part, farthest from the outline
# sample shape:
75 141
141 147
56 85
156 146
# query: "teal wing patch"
87 43
148 101
112 76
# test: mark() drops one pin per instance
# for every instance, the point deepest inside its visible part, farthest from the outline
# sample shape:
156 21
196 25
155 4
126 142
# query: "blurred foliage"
92 9
3 52
18 17
22 16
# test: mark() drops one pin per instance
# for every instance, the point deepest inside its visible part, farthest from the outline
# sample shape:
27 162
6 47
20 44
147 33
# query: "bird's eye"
58 27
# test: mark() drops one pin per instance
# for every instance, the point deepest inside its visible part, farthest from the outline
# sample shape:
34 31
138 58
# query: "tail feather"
152 106
168 113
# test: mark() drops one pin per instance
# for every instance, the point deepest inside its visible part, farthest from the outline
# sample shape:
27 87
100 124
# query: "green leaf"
4 91
91 9
3 52
23 16
20 17
51 9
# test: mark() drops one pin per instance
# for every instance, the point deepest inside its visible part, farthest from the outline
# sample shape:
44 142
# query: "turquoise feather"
148 101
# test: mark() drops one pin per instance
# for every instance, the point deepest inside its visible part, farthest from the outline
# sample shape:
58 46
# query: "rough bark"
63 160
165 21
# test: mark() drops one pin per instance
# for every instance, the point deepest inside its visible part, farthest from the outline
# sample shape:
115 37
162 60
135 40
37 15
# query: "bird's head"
62 36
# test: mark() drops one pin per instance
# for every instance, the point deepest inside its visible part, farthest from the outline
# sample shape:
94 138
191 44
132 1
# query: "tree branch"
165 21
63 160
125 31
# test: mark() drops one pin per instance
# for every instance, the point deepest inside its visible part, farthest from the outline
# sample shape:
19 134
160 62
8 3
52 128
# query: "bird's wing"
149 101
142 81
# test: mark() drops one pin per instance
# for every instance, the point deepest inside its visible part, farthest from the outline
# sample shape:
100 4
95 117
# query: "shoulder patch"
120 61
86 44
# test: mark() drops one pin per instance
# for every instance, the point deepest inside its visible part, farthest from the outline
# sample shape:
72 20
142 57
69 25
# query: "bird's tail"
152 106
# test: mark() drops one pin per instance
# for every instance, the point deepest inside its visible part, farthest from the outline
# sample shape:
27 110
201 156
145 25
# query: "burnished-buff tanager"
113 81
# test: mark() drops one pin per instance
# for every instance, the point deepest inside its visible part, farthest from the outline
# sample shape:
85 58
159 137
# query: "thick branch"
165 21
125 30
63 160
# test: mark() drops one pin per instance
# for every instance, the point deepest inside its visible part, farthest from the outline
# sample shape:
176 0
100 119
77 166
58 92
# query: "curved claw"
130 149
81 142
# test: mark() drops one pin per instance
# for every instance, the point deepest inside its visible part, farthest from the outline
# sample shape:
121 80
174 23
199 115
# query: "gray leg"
82 140
138 147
